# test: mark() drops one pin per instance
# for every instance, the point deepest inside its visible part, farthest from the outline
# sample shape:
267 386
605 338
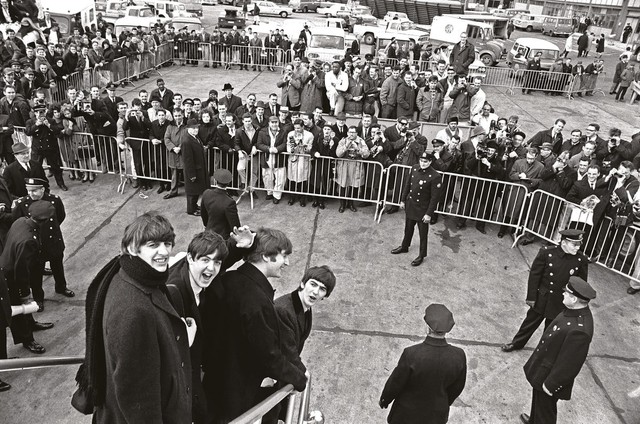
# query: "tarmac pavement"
377 307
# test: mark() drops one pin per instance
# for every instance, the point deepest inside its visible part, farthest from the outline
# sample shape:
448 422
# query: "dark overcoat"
193 160
422 192
295 326
428 378
51 234
219 212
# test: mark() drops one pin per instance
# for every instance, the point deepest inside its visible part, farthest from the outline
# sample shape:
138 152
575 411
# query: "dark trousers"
107 151
423 231
141 163
544 408
53 159
388 111
192 203
21 325
529 326
175 179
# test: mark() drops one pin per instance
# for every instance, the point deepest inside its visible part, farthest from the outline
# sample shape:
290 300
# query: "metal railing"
19 364
214 55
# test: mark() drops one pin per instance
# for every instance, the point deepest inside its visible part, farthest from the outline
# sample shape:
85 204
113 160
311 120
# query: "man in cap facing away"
420 196
429 376
218 210
563 349
550 272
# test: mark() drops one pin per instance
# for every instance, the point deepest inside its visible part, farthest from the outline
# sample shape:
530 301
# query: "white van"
326 44
553 25
63 11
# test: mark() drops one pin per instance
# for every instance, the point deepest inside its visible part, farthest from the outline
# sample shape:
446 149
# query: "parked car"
230 18
557 26
193 6
271 8
330 10
528 22
306 5
524 49
510 12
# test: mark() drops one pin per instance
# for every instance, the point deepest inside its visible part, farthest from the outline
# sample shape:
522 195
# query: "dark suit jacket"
544 136
263 144
219 212
267 110
166 101
19 258
295 326
242 139
562 350
137 129
194 163
232 104
581 190
247 343
223 140
340 134
428 378
14 174
112 107
263 124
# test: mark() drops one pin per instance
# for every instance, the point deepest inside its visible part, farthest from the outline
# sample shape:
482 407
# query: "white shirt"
341 82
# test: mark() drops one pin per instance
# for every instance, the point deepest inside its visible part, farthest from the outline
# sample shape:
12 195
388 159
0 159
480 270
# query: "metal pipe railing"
258 411
35 363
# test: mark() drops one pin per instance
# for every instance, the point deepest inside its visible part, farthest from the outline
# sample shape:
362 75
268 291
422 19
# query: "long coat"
295 326
428 378
299 167
6 219
422 192
173 137
311 93
245 333
562 350
148 367
219 212
461 58
550 272
406 100
51 234
350 173
14 175
194 166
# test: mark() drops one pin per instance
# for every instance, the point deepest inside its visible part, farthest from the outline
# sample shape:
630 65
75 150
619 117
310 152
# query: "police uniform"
218 210
421 194
559 356
550 272
52 242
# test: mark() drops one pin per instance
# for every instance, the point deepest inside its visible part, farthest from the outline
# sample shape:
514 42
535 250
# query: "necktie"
28 167
273 110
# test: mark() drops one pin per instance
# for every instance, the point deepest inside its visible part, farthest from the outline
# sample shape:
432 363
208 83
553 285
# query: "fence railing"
194 52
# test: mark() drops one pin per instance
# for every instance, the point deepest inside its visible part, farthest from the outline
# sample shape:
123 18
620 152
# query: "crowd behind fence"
366 181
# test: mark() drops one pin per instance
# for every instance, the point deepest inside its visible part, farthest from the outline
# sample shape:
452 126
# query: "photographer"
485 164
44 132
299 144
379 148
486 119
514 149
324 146
350 173
461 93
138 124
291 86
612 155
444 162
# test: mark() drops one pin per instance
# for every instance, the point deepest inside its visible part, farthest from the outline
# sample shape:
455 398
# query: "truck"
499 23
369 33
326 44
446 30
117 9
63 12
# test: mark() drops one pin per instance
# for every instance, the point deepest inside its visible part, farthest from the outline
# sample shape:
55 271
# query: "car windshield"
488 34
546 54
146 13
327 42
406 26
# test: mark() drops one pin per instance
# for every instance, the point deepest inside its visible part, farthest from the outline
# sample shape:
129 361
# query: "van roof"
466 21
537 43
67 7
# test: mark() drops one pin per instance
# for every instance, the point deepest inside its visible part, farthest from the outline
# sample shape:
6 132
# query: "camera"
482 151
87 107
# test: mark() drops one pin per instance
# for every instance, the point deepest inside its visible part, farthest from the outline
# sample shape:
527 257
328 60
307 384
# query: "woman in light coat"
299 142
350 175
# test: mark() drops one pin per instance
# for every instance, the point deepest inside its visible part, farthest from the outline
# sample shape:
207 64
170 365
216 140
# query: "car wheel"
529 28
305 9
486 59
369 38
283 14
551 34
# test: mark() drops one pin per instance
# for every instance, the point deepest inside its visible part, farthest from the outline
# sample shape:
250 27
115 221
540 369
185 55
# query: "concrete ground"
377 307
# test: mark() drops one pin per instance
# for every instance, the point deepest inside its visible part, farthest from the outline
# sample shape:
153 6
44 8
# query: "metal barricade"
321 177
119 68
548 82
615 248
164 53
218 159
107 154
499 77
492 201
78 153
150 161
59 92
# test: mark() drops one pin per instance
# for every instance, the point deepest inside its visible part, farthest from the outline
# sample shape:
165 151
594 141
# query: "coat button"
177 338
551 274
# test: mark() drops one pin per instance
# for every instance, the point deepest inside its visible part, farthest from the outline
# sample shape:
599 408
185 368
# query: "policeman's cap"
439 318
427 156
35 182
437 142
41 210
572 235
222 176
580 288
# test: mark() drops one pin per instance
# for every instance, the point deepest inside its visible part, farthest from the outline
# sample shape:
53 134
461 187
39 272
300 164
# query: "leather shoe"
321 205
500 234
40 306
481 229
170 195
41 326
160 189
34 347
417 261
195 213
314 204
268 197
276 201
291 201
524 418
4 386
47 271
509 347
399 249
66 292
631 290
391 209
352 208
63 187
341 209
461 225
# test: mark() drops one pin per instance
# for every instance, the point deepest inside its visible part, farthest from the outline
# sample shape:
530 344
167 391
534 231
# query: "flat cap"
41 210
35 182
453 119
413 125
222 176
7 71
193 123
546 146
572 234
439 318
580 288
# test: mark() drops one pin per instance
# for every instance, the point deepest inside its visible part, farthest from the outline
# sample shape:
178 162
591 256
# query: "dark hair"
322 274
615 132
269 242
298 122
136 102
150 226
433 78
596 126
560 120
206 243
628 164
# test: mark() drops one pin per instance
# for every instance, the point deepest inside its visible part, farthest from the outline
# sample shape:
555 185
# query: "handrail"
304 402
34 363
265 406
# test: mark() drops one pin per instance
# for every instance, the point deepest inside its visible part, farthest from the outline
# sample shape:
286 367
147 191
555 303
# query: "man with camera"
44 133
138 124
420 196
461 93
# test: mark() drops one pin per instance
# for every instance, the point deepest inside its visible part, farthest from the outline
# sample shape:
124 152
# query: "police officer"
20 260
558 358
550 271
429 377
219 212
51 238
420 196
